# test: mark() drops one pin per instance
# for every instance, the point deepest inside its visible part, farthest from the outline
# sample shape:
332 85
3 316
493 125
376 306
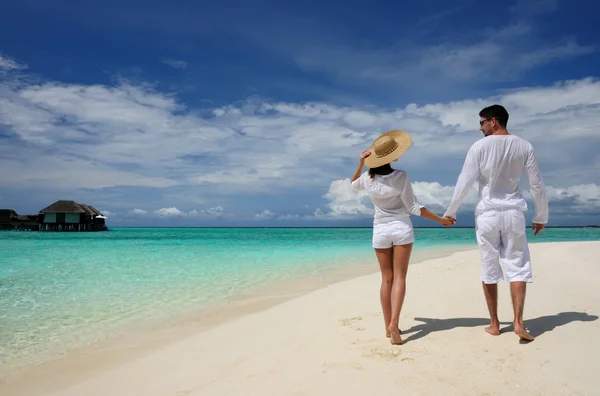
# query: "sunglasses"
484 121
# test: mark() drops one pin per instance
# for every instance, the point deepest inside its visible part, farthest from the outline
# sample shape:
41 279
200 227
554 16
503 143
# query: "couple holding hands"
497 162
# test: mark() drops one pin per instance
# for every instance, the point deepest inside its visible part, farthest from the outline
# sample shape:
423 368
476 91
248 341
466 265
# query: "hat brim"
404 141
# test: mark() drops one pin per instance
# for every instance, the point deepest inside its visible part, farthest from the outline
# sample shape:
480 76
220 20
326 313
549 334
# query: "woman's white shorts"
397 232
501 236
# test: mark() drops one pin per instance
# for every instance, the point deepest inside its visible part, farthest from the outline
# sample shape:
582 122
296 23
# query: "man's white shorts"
393 233
501 235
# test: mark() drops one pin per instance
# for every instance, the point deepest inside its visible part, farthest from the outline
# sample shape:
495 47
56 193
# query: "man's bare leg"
491 298
517 292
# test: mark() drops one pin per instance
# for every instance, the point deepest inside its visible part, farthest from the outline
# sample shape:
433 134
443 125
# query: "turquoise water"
62 290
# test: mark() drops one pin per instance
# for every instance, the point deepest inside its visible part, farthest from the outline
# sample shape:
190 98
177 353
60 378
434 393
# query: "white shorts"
501 235
397 232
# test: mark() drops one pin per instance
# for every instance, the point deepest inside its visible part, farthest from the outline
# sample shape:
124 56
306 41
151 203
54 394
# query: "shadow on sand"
536 327
543 324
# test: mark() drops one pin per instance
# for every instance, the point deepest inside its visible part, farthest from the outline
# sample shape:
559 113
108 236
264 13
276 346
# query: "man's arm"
466 179
538 189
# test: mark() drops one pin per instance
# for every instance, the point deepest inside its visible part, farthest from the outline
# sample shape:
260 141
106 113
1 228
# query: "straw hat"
387 148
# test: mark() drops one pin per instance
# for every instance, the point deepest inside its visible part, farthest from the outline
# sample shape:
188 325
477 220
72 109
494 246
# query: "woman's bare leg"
385 258
401 258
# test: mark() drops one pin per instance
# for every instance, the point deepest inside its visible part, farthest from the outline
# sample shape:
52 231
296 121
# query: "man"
497 162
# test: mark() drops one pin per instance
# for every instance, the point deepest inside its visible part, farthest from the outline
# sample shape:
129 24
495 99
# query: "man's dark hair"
495 111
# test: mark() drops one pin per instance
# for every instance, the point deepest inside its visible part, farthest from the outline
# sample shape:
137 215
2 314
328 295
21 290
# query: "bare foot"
395 338
388 334
493 330
523 334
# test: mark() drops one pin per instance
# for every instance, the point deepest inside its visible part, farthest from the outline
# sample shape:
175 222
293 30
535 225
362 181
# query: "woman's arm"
445 221
414 207
361 164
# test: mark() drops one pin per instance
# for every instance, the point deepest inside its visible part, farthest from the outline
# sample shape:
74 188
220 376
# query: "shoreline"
331 340
137 340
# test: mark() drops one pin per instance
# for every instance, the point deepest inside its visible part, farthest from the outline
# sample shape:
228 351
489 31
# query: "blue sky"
254 113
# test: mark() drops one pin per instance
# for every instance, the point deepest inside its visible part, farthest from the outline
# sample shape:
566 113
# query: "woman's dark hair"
381 170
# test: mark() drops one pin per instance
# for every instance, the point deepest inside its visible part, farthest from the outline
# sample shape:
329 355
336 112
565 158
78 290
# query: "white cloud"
168 212
138 212
435 195
215 212
175 63
132 135
265 214
10 64
68 136
527 106
345 201
584 196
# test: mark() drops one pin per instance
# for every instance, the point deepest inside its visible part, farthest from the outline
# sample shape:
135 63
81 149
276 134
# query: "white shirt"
392 195
497 162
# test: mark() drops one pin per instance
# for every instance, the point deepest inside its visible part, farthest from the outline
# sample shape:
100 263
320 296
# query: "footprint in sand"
392 354
351 322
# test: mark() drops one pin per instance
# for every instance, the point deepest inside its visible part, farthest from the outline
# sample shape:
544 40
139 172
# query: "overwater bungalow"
71 216
60 216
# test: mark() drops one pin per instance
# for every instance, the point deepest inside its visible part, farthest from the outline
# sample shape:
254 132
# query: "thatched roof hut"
64 207
72 216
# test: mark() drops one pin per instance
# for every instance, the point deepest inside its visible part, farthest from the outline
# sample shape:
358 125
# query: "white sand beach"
332 342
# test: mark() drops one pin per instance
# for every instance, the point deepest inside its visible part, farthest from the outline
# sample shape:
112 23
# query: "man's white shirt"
497 162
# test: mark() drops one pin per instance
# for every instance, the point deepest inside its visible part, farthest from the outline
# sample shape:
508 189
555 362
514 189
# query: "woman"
393 237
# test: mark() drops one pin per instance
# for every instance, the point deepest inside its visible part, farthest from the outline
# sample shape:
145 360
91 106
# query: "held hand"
537 228
364 155
447 221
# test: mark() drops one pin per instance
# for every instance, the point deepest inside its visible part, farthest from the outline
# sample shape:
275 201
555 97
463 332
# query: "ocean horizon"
64 290
317 227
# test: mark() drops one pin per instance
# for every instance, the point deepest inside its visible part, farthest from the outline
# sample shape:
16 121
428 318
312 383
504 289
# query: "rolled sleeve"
409 199
358 184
